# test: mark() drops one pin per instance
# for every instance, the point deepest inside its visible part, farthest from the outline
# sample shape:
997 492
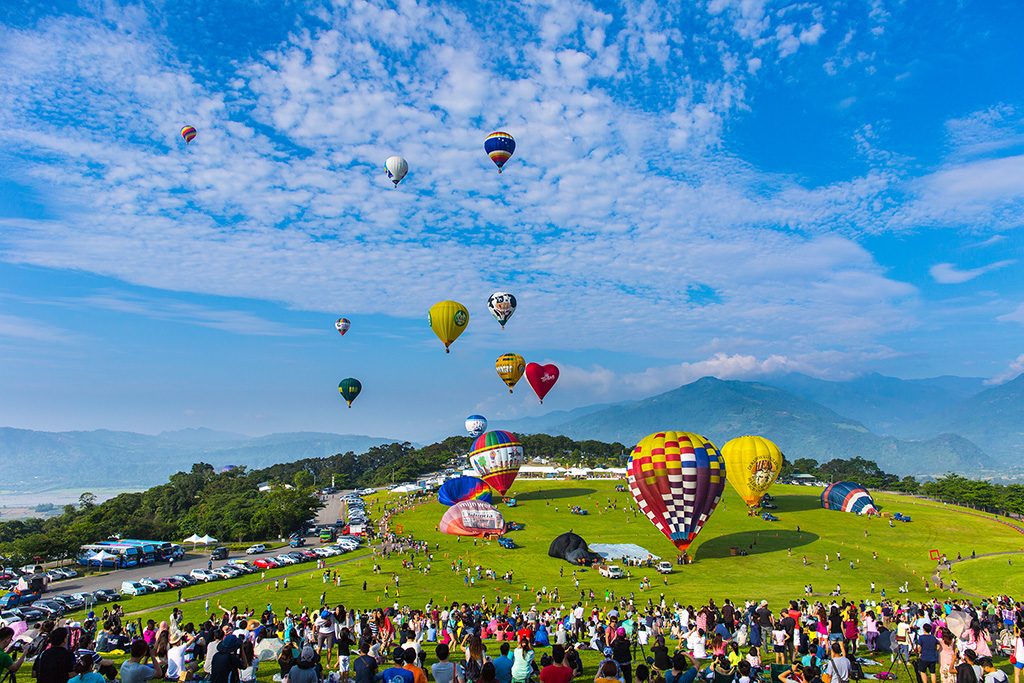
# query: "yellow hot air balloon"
448 319
752 463
510 367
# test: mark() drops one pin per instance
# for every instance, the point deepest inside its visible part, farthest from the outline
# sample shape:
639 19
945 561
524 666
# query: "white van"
133 588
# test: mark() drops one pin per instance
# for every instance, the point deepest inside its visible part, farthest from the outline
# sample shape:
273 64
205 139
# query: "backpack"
471 670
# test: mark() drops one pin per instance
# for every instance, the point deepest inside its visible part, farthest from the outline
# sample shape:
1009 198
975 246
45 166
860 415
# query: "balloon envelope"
677 479
448 319
349 388
510 368
396 167
342 325
501 305
496 457
463 488
189 133
499 147
848 497
472 518
476 425
752 464
541 378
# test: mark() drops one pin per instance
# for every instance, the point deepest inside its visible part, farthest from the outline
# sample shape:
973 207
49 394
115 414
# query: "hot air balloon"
848 497
499 147
342 325
496 457
476 425
349 388
396 167
541 378
752 463
463 488
510 367
501 305
189 133
448 319
472 518
677 479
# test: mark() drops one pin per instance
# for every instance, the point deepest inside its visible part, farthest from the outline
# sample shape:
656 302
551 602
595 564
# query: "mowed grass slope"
769 571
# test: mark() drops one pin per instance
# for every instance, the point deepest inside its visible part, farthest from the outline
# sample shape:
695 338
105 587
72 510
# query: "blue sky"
728 187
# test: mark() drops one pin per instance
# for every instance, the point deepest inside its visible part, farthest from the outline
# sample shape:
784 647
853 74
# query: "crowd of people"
940 641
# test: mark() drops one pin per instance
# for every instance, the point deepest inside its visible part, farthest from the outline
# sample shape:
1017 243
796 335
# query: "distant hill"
722 410
994 419
39 461
885 405
540 424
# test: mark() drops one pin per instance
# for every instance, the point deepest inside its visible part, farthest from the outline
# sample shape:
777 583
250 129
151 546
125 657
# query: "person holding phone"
12 655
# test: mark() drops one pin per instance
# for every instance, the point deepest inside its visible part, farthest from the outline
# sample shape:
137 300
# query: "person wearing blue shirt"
397 673
503 665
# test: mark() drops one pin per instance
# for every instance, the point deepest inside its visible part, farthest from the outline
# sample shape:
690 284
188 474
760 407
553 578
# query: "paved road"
113 579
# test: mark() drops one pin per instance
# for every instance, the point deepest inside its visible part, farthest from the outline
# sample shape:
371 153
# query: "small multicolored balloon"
342 325
476 425
189 133
500 146
501 305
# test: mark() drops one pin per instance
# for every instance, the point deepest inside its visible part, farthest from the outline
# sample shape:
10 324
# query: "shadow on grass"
768 541
798 502
552 494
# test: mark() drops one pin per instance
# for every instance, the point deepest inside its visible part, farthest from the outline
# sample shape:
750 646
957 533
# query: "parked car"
70 602
171 582
185 579
226 572
51 607
203 575
220 553
86 597
267 563
284 559
256 549
107 595
152 584
31 615
133 588
506 543
664 567
65 572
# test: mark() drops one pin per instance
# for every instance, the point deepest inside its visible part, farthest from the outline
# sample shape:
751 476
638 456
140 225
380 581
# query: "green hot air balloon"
349 388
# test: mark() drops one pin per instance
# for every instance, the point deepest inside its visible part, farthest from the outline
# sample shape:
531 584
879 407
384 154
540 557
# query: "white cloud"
948 273
33 330
1016 316
1015 368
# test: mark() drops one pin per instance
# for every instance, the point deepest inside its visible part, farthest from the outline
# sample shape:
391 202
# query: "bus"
126 555
147 551
164 550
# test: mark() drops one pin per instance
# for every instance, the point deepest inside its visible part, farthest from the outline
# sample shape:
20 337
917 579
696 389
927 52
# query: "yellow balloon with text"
752 464
448 319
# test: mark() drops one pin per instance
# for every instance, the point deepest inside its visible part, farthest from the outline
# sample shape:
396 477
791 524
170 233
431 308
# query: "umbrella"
957 622
18 627
268 649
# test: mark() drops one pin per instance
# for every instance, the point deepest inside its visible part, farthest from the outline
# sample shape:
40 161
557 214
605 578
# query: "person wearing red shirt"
558 671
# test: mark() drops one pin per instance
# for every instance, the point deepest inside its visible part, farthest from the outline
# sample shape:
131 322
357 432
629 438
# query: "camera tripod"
897 659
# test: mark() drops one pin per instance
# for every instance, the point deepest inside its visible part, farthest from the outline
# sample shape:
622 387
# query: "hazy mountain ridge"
38 461
722 410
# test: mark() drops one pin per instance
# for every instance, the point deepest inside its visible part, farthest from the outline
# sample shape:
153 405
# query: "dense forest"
230 506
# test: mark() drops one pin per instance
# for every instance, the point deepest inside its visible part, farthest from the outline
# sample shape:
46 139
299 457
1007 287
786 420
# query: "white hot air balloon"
396 167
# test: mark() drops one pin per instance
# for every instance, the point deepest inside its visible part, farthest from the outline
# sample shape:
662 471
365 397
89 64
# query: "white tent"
101 557
205 540
192 539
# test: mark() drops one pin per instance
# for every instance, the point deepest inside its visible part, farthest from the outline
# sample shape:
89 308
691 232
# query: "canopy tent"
206 540
192 539
102 556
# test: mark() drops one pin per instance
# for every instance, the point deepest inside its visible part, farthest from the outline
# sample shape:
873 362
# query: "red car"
266 563
310 554
172 582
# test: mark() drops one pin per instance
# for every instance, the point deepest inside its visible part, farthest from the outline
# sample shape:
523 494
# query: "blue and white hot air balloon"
476 425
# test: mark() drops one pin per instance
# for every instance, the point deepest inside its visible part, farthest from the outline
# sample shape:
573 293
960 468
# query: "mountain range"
38 461
917 427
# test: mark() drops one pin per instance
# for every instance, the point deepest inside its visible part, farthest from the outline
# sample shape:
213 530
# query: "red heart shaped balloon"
541 378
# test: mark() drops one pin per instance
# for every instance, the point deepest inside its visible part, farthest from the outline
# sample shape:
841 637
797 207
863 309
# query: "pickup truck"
612 572
14 599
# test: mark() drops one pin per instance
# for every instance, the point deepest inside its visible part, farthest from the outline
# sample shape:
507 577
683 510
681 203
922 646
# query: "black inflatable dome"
573 549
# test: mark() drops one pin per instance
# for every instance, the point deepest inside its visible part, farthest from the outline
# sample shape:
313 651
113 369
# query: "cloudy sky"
725 187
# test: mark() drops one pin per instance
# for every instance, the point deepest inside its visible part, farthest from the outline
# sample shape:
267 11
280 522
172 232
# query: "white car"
133 588
256 549
286 559
203 575
226 573
664 567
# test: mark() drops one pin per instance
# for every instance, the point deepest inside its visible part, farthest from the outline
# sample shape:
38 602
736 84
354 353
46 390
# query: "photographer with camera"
8 664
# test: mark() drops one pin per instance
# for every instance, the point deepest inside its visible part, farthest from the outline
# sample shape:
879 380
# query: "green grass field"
773 569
